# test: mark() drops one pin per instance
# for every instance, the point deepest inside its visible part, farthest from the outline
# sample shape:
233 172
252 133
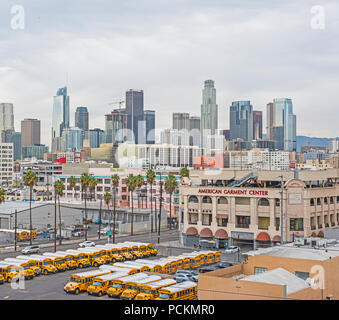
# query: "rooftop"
279 276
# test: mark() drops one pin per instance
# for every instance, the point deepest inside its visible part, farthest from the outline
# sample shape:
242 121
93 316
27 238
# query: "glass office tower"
241 120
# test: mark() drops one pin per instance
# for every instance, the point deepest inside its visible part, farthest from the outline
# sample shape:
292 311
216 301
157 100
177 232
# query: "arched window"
331 200
312 202
263 202
325 200
206 199
193 199
318 202
222 200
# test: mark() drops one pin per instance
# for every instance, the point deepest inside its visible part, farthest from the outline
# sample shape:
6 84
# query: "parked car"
183 277
232 249
222 265
185 272
208 269
78 233
30 250
86 244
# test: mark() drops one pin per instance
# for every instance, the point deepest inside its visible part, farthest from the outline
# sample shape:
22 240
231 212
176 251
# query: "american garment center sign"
237 192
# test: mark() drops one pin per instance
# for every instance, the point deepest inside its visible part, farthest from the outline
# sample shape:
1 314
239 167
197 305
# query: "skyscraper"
96 137
10 136
257 125
181 121
209 113
135 115
194 131
116 126
241 120
72 139
269 121
150 126
6 117
60 117
81 118
30 130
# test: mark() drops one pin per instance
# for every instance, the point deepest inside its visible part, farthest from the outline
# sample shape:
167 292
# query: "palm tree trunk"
170 211
30 216
152 207
114 216
132 215
100 219
59 221
110 219
86 224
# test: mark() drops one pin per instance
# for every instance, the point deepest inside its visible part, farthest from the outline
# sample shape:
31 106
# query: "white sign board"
294 198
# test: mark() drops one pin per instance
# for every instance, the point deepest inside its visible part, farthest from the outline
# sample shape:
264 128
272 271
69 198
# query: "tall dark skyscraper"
241 120
150 126
60 117
181 121
116 126
81 118
257 125
30 130
135 115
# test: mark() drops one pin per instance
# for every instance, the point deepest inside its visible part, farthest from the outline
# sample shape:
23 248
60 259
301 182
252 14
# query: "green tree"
30 180
72 183
139 181
85 181
150 177
170 185
184 173
59 190
115 183
2 195
108 199
92 185
131 184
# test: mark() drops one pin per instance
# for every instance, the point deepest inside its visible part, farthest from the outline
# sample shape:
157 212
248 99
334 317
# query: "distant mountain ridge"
312 141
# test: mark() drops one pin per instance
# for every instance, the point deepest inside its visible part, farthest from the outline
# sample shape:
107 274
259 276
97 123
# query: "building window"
311 202
318 202
258 270
331 200
263 223
222 222
325 200
277 224
222 200
277 202
243 221
242 201
297 224
264 202
206 219
206 199
193 199
192 218
302 275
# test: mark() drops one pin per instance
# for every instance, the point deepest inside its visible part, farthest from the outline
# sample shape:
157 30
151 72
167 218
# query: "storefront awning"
222 216
320 234
276 239
206 233
263 236
221 234
191 231
313 234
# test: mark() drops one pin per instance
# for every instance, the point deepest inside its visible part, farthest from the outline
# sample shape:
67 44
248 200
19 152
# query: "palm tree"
108 199
72 183
92 185
59 190
131 184
30 180
115 183
85 181
139 180
2 195
184 173
170 185
150 177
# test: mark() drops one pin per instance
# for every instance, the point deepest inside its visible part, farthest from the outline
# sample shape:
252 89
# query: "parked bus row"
60 261
119 283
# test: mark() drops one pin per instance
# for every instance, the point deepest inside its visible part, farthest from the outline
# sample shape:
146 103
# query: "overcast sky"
254 50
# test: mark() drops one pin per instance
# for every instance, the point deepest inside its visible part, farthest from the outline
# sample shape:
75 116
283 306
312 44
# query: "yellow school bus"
136 265
194 260
135 249
33 264
153 265
93 256
186 262
81 258
151 291
134 268
186 290
7 272
148 248
217 256
101 284
173 264
179 262
132 288
123 250
44 263
21 234
69 259
118 285
108 256
114 252
80 282
57 262
20 266
115 269
166 266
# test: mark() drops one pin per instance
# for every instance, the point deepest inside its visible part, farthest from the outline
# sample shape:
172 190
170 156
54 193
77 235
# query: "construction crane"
117 102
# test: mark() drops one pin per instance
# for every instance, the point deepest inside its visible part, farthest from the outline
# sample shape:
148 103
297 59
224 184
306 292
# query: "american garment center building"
233 207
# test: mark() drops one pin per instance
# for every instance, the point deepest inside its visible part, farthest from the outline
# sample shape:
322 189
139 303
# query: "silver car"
30 250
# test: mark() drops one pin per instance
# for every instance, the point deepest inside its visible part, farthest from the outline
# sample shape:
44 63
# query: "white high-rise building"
6 159
6 117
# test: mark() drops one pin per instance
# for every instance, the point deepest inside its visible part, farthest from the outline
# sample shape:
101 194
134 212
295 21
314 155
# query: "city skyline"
166 50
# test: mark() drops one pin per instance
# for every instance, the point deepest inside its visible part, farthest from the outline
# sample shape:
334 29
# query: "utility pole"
155 215
282 211
160 210
15 228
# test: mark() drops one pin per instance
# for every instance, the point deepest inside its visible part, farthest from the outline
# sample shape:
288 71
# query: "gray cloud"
256 50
